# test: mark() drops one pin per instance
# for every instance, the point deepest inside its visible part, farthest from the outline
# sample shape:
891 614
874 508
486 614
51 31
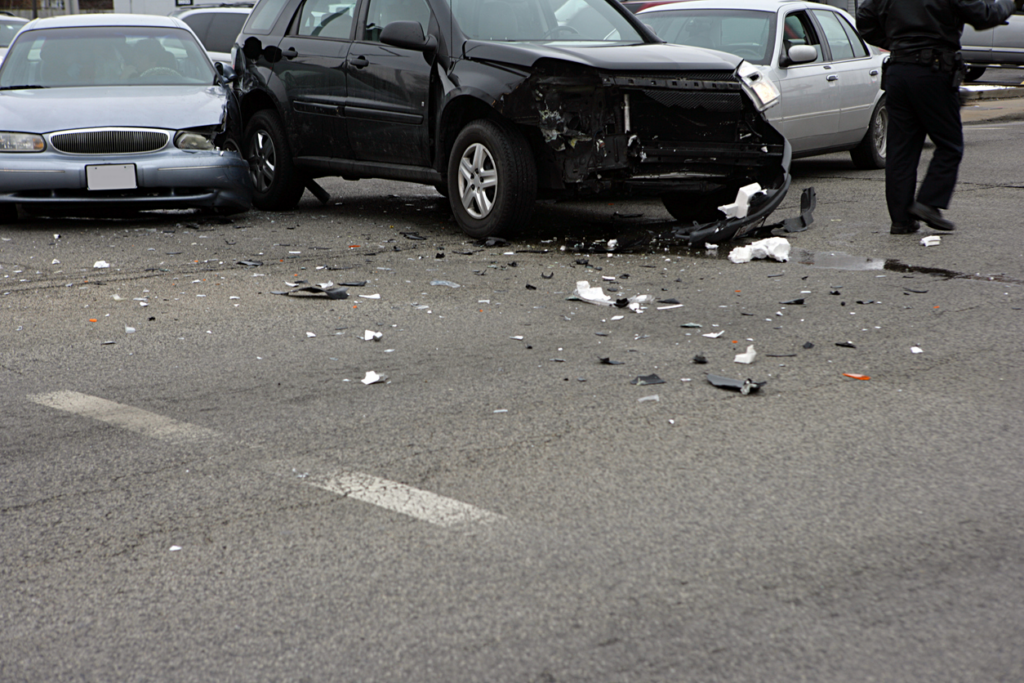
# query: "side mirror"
799 54
408 35
227 74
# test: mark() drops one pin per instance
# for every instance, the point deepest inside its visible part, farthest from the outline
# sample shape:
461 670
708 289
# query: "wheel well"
253 102
460 112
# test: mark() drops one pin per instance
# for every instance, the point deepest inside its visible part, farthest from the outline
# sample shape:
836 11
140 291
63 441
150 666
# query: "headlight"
189 140
21 142
758 86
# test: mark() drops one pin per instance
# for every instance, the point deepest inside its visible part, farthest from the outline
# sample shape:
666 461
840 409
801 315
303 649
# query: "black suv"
498 102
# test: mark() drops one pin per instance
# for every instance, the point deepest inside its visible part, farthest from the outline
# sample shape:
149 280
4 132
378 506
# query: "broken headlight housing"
191 140
21 142
757 85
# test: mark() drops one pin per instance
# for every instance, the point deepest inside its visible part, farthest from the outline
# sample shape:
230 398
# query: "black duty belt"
941 60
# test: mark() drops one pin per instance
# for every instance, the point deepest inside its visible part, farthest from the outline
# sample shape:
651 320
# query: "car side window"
838 42
223 31
264 16
383 12
859 49
200 24
326 19
798 30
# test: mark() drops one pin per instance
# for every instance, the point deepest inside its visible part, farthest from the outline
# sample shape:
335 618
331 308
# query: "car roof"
760 5
231 7
83 20
11 17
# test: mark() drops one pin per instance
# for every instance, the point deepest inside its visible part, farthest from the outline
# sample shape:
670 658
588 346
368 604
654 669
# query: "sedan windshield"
105 56
591 21
745 33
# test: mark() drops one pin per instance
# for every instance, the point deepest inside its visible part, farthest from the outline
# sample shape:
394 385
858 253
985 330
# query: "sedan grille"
109 141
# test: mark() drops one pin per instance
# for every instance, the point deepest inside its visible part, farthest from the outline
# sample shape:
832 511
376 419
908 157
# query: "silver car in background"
828 77
9 27
105 112
1000 46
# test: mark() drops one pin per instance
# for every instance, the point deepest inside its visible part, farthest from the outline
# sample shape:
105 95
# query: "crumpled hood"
648 57
171 107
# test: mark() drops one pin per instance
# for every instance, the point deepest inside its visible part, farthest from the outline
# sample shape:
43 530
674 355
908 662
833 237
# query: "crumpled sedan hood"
647 57
171 107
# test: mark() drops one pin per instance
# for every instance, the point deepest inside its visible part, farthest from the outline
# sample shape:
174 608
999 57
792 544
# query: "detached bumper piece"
753 224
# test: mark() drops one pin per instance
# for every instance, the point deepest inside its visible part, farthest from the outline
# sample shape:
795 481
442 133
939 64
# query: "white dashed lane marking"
390 495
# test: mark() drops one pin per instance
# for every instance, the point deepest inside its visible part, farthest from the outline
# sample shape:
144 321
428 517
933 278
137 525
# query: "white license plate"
111 177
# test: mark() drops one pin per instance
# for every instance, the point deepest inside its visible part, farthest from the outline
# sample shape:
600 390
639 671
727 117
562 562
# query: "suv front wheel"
492 179
277 185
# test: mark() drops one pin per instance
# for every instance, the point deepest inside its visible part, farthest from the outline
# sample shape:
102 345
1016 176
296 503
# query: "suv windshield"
591 21
745 33
104 56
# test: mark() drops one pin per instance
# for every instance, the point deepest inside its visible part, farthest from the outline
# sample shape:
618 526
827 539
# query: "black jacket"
917 24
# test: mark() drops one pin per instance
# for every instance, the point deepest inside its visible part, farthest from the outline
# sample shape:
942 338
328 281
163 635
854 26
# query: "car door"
856 75
809 102
388 88
1008 41
311 69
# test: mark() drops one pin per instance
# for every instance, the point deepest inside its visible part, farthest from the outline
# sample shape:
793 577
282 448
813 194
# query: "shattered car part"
746 358
331 293
645 380
772 247
745 386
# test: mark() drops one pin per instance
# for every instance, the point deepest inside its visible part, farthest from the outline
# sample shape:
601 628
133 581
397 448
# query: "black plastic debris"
780 355
846 345
609 361
582 262
621 303
808 345
744 386
529 286
777 275
493 242
669 302
700 360
512 264
868 301
602 334
412 236
357 283
439 254
332 293
916 291
547 276
793 302
645 380
835 293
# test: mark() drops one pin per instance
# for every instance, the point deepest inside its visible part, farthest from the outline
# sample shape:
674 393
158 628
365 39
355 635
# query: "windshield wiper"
21 87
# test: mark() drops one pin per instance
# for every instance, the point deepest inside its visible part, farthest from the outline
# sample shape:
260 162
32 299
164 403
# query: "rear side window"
199 23
838 41
264 16
223 31
326 19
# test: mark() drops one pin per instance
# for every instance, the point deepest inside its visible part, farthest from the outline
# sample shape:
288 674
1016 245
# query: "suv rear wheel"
277 186
492 179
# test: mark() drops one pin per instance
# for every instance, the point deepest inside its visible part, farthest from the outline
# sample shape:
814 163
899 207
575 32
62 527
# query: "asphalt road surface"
217 496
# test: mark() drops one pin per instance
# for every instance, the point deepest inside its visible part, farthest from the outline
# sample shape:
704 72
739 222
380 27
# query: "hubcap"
262 160
881 130
478 181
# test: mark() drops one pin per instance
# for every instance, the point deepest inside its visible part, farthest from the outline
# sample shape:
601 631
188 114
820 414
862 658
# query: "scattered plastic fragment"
174 548
745 386
117 297
518 337
772 247
370 335
332 293
700 360
739 208
793 302
107 343
251 264
529 286
855 376
412 236
547 276
609 361
691 325
129 330
848 344
373 378
653 397
931 241
746 358
644 380
101 264
808 345
596 295
780 355
55 262
369 296
501 410
310 335
868 301
916 291
916 349
670 307
713 335
445 283
711 247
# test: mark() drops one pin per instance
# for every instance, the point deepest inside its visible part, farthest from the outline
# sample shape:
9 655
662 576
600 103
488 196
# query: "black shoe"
907 228
931 216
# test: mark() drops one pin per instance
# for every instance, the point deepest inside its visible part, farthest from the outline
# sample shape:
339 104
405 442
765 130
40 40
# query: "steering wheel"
558 29
160 71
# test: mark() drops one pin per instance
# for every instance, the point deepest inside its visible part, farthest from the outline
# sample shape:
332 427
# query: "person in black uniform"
922 81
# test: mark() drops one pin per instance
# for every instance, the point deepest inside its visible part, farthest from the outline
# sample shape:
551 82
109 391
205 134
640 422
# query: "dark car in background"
116 113
498 102
216 26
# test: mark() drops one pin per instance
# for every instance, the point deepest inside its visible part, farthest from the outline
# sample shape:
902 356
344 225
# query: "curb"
992 93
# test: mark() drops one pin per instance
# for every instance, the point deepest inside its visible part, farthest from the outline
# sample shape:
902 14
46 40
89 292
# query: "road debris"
772 247
653 397
852 375
745 386
916 349
846 345
645 380
700 360
713 335
609 361
793 302
251 264
101 264
595 295
331 293
739 208
373 378
931 241
370 335
746 358
445 283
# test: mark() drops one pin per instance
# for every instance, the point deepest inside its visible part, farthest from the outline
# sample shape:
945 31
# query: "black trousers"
920 102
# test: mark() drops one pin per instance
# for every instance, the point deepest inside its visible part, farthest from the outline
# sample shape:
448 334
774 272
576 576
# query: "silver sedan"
102 113
828 77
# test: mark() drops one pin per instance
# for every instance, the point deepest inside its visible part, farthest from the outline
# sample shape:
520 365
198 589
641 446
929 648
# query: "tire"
492 179
870 153
974 73
277 185
701 207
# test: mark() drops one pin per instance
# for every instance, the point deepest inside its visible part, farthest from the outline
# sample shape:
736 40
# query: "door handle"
290 53
831 77
359 62
873 72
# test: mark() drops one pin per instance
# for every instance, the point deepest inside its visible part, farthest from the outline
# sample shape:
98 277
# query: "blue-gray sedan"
105 113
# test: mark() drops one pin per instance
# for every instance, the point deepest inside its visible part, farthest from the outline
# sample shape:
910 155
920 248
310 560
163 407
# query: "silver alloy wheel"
881 130
263 161
478 181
